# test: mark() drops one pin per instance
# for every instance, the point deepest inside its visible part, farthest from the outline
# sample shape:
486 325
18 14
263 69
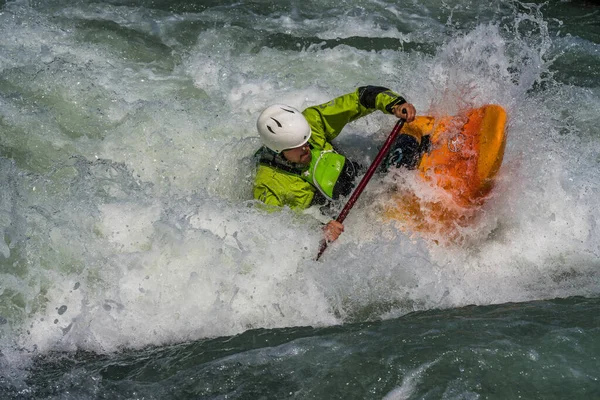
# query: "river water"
134 264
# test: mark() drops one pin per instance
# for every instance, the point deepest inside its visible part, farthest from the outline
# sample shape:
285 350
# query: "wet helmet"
282 127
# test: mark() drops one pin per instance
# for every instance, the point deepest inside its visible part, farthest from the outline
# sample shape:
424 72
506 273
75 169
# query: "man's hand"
406 111
333 230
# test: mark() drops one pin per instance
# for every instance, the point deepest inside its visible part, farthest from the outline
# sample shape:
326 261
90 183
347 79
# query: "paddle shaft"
363 183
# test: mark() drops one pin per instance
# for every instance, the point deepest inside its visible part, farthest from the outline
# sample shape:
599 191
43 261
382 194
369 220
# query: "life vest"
322 172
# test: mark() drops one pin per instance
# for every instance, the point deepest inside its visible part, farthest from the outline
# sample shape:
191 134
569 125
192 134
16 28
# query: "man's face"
298 155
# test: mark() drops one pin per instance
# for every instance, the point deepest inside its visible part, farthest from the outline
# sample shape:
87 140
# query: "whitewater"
127 141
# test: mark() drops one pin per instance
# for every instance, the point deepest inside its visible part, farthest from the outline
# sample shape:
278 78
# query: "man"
298 166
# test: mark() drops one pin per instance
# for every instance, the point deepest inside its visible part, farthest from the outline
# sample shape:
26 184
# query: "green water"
536 350
134 265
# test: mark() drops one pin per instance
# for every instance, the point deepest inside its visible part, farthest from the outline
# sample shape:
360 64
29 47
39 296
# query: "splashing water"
127 141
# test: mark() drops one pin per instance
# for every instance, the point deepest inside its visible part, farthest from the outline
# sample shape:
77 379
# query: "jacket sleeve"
327 120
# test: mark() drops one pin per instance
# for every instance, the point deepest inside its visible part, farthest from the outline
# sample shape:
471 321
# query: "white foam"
151 221
222 272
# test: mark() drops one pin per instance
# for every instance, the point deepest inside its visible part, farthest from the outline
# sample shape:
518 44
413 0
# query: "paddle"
361 186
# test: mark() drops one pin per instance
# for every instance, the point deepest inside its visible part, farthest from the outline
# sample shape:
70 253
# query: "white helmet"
282 127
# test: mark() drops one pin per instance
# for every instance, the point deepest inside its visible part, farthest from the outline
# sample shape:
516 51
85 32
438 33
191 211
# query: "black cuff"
399 101
368 94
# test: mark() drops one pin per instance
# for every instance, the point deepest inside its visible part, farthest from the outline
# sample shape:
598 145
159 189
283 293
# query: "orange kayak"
465 155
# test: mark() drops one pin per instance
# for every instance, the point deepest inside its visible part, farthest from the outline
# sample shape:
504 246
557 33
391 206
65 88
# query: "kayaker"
298 166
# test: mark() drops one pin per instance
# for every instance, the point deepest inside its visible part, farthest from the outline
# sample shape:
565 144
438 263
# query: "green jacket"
274 186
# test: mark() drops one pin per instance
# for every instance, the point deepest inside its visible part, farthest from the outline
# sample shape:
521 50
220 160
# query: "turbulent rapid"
127 141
